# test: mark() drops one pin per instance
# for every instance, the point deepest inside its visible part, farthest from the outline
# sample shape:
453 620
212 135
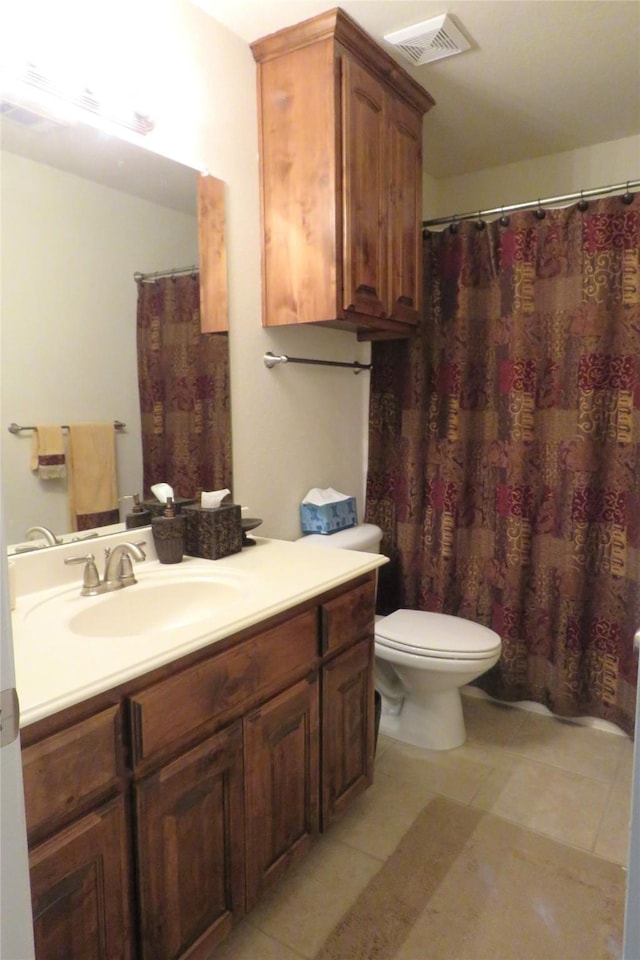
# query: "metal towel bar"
271 360
16 428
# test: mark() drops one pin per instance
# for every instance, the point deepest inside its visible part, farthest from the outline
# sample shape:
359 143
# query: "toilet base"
436 723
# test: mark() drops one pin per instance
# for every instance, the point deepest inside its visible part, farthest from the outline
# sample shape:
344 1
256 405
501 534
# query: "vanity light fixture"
30 88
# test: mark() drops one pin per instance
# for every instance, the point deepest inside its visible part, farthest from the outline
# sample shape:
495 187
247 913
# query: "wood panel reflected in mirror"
81 214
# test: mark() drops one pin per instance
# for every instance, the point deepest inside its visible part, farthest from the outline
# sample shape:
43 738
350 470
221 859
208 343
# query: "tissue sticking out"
213 498
161 491
320 497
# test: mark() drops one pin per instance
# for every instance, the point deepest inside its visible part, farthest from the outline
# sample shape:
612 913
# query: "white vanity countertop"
56 668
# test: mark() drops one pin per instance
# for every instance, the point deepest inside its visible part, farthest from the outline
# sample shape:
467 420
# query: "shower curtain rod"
177 272
532 204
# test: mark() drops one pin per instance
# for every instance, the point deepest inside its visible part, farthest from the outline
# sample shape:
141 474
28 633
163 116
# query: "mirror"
81 213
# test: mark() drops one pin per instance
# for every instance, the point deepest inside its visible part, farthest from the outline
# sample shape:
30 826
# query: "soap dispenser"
168 534
139 516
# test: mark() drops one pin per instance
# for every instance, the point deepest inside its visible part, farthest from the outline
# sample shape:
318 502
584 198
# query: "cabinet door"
282 790
364 192
80 889
71 772
404 191
347 728
214 300
190 834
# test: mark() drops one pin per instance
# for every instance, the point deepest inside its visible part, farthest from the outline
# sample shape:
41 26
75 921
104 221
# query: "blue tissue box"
329 517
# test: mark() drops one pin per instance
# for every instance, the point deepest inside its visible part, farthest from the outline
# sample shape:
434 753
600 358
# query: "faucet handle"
91 578
125 570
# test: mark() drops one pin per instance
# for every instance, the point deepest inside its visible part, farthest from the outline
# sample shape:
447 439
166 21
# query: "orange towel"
47 457
93 487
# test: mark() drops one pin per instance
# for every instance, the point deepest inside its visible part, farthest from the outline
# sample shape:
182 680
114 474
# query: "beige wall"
294 427
551 176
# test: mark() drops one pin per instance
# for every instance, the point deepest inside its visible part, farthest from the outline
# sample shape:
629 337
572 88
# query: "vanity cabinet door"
282 760
71 771
347 728
190 840
348 617
80 889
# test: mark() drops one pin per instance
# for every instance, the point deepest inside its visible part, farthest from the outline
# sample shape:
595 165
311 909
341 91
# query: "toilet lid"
436 635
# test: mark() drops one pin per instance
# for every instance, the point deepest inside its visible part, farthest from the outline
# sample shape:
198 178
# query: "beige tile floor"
559 780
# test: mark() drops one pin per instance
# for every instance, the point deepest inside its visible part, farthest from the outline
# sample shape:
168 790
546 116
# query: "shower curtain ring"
453 226
627 197
504 219
480 224
582 203
540 213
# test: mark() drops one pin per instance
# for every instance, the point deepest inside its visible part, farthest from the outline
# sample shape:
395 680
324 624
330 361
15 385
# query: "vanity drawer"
66 772
168 714
349 617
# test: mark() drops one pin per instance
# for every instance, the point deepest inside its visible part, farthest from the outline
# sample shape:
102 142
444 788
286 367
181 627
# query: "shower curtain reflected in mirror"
183 378
504 463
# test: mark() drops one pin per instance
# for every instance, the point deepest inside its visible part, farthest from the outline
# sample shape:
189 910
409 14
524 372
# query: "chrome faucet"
48 535
118 569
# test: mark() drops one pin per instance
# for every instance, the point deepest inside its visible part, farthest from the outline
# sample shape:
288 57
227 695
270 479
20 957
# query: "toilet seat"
436 635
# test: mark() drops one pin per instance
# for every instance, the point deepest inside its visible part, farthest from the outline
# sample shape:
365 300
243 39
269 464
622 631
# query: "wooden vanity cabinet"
190 849
225 757
282 760
79 851
163 813
341 180
79 889
348 735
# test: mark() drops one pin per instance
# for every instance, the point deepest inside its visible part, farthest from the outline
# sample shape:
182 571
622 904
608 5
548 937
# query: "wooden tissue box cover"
213 532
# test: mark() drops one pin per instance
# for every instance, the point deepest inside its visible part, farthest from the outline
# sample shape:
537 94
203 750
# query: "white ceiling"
541 77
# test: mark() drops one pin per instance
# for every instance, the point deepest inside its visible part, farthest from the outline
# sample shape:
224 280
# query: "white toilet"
422 660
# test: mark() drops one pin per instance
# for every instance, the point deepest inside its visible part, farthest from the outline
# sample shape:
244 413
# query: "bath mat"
463 884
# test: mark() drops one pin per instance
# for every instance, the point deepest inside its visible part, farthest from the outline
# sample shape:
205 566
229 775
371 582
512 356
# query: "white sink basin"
158 602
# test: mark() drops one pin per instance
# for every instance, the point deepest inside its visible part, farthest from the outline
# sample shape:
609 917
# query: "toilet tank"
365 537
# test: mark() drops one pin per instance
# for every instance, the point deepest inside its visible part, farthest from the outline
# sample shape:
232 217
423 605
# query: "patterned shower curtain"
183 378
504 463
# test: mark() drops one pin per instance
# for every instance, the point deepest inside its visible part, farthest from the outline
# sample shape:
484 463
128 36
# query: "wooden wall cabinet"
341 180
222 774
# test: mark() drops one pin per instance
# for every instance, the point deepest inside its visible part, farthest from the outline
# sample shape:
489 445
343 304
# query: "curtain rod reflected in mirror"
161 274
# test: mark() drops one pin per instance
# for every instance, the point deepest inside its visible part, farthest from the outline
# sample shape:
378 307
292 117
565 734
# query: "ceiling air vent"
26 117
430 40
